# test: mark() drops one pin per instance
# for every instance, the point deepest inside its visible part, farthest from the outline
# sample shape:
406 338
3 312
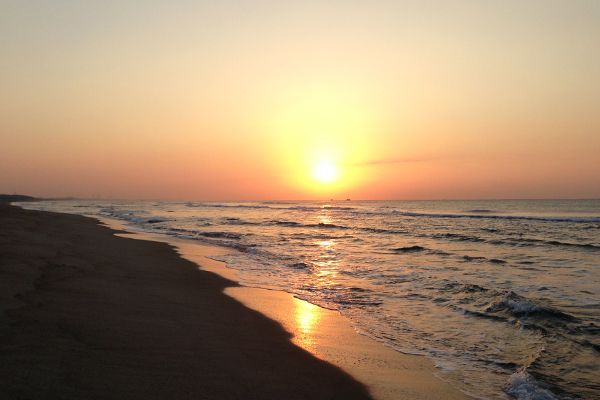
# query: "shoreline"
97 315
326 334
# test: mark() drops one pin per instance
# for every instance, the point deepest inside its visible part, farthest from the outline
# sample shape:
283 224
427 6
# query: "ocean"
503 296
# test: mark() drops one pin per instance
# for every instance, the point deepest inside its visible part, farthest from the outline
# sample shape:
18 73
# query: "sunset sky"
254 100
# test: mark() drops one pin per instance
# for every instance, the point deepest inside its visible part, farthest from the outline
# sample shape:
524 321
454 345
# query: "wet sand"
86 314
388 374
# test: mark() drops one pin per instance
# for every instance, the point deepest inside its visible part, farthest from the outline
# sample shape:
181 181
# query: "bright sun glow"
325 172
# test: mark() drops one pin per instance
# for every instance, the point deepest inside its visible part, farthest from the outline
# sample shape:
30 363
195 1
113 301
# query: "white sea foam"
523 386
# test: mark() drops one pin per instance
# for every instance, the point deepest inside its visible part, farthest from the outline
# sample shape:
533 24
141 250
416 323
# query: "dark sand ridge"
87 315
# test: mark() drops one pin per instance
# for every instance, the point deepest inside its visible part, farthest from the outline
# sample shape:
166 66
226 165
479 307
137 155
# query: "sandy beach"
89 315
300 200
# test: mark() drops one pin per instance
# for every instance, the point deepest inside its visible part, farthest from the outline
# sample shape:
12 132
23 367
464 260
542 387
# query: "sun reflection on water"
325 219
308 316
326 244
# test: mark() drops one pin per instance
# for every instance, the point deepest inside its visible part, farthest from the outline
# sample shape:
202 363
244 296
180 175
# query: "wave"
456 236
410 249
387 210
384 231
588 246
474 258
223 205
225 235
511 241
480 258
327 226
238 221
292 224
518 306
419 249
507 305
504 217
446 236
480 314
521 241
522 386
532 241
284 223
300 265
141 217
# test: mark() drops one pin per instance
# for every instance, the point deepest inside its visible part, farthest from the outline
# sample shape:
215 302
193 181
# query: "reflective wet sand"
325 333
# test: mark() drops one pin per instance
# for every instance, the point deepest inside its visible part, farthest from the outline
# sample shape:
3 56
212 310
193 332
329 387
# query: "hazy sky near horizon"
239 100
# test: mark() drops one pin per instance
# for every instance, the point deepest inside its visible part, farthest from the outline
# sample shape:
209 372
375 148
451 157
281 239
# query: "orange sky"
240 100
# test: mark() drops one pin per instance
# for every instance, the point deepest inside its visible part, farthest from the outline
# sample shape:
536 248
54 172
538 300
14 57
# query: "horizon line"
65 198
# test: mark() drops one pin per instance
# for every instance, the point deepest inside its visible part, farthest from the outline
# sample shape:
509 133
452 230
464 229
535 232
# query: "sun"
325 171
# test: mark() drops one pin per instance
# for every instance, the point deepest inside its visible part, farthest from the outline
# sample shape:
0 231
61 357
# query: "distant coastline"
7 198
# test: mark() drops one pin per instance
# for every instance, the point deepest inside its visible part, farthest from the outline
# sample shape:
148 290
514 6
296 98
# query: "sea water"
503 296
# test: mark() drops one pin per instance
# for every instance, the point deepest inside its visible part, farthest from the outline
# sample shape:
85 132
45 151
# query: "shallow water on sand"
504 296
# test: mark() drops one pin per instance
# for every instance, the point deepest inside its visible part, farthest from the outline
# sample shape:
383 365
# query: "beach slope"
86 314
